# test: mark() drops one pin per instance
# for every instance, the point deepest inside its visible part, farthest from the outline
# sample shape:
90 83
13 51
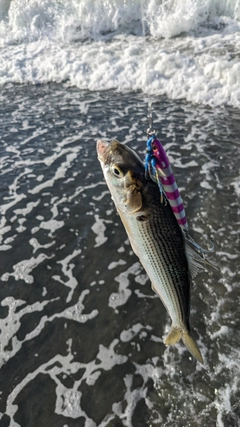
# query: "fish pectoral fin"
133 200
195 262
174 336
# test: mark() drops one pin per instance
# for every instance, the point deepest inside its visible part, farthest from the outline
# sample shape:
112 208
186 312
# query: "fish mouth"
101 147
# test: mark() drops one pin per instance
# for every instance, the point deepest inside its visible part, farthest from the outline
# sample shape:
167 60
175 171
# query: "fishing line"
150 110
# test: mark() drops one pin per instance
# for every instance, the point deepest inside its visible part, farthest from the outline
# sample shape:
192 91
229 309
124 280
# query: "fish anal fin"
176 334
173 336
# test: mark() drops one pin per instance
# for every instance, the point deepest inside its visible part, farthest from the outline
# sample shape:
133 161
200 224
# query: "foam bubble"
120 298
99 229
114 264
22 269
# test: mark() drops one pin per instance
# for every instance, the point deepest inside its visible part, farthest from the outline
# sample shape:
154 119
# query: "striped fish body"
154 234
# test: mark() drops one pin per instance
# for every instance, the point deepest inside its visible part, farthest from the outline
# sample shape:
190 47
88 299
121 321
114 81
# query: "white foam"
22 269
11 324
29 207
67 270
142 279
227 392
224 330
114 264
120 298
16 198
236 186
60 172
39 44
99 229
129 334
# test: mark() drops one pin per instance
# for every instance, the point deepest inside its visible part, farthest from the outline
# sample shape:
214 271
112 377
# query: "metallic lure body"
159 168
154 234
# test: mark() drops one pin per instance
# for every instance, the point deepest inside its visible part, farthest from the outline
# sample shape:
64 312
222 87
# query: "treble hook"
202 252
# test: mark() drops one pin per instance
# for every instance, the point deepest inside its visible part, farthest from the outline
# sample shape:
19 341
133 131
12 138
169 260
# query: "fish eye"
117 171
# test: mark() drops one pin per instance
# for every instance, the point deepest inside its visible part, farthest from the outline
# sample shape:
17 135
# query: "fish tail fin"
192 347
174 336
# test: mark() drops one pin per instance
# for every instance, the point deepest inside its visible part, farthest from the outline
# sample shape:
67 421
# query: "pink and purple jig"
160 171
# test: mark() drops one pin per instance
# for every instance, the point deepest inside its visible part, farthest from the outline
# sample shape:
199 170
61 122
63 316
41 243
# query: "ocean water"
81 330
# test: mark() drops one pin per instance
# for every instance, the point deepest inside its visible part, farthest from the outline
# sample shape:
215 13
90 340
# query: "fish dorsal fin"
133 201
196 262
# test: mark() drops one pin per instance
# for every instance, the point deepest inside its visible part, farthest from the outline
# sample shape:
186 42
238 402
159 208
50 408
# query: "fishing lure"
158 167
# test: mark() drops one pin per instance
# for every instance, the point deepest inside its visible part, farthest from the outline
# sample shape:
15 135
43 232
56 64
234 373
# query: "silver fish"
155 236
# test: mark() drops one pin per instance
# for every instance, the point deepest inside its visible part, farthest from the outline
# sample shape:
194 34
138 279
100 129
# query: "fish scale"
154 234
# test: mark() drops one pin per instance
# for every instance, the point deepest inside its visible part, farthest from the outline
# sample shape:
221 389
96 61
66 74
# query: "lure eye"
117 171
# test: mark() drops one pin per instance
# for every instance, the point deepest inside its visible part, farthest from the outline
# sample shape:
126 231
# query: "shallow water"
81 330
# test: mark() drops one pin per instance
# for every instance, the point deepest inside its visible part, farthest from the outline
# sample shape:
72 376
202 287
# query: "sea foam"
190 50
